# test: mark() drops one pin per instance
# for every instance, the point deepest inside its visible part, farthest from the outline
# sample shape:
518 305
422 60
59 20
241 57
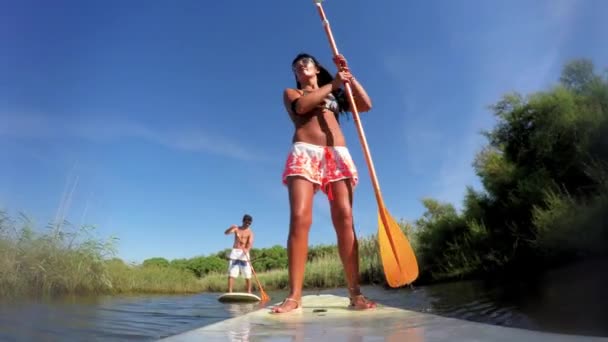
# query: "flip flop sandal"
369 304
298 308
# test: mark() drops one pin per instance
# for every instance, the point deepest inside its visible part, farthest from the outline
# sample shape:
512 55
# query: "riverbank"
65 260
68 261
322 273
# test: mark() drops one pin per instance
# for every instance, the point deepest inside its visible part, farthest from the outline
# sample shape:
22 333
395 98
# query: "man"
239 256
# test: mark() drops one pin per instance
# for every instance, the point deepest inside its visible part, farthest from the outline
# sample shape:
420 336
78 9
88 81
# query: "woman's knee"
342 214
301 219
301 192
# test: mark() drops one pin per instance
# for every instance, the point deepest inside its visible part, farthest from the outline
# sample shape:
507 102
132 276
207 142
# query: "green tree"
201 266
158 261
545 184
181 264
265 259
322 250
579 75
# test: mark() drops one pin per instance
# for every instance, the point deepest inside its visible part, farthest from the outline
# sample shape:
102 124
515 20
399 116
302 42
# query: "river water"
570 300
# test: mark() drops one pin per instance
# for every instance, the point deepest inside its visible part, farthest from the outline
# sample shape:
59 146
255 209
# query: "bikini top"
331 103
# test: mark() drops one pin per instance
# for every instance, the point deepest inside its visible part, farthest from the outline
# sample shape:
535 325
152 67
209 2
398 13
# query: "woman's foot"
288 305
360 302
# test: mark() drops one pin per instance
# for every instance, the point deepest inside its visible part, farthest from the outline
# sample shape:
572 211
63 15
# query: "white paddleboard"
238 297
326 318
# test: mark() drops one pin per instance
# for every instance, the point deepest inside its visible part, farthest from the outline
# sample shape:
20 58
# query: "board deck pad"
238 297
327 318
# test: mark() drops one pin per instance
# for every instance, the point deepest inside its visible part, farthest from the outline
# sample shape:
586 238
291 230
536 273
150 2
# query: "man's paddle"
398 258
263 294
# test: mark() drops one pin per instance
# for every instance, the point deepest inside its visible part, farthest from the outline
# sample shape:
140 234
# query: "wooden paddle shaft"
355 112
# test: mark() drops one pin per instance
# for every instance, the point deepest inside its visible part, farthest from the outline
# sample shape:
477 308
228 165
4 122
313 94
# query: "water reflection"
242 333
240 309
570 300
144 318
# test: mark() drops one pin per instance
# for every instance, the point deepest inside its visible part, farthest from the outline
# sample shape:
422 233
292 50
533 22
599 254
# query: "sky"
161 123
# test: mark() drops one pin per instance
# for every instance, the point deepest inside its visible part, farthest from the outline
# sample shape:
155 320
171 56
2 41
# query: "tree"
161 262
181 264
545 164
202 266
579 75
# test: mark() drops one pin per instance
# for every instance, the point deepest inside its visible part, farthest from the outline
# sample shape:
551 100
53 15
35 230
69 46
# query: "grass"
63 260
324 271
150 279
54 262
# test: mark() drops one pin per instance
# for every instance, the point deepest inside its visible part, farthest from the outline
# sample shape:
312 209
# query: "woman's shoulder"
289 91
291 94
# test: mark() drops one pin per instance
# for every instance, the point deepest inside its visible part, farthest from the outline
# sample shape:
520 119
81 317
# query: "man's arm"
231 229
249 243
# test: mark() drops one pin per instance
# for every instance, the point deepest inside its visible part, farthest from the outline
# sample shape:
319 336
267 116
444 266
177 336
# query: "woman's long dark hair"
323 78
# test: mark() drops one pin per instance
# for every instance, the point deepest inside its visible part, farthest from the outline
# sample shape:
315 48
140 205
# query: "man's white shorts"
236 266
238 263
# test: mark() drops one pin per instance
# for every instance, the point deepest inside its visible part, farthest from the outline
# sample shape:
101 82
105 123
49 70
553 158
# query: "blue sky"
164 120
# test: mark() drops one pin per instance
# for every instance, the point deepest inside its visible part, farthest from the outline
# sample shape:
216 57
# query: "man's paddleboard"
238 297
327 318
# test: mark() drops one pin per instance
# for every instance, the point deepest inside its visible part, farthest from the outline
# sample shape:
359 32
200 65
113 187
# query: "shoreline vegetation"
544 204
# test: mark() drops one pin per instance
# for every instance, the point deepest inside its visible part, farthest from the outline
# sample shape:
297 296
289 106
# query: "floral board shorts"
320 165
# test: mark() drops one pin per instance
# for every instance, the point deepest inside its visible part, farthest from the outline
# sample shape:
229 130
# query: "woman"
319 159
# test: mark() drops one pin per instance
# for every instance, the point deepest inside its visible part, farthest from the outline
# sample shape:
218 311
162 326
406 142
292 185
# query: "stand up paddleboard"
238 297
327 318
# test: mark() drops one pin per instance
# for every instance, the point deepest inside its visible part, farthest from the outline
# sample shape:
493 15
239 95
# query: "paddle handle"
355 112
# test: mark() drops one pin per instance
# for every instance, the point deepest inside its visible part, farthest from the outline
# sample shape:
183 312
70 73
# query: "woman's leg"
348 247
301 192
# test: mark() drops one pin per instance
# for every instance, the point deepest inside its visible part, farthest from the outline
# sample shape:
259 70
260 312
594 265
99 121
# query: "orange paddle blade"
263 294
396 253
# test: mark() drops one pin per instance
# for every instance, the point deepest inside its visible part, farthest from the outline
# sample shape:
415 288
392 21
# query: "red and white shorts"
320 165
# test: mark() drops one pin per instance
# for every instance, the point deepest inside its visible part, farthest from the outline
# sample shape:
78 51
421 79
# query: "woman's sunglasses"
302 61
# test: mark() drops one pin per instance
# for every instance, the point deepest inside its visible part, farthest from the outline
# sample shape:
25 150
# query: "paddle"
398 258
263 294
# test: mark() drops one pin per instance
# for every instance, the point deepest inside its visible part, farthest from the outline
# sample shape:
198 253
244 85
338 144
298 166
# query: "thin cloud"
108 130
24 126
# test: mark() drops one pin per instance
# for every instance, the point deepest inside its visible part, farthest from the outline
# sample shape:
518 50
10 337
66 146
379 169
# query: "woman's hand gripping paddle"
398 258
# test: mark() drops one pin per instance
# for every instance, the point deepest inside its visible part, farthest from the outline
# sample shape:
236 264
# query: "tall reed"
61 259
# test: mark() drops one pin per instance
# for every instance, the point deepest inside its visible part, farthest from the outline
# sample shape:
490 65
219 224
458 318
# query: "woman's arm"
302 104
362 100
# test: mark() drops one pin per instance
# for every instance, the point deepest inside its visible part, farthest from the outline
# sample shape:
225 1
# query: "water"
133 318
571 300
